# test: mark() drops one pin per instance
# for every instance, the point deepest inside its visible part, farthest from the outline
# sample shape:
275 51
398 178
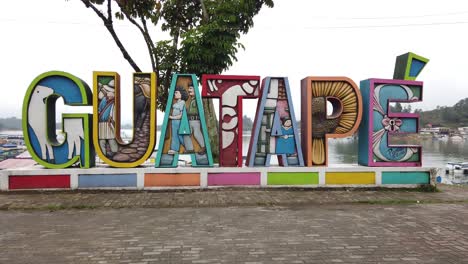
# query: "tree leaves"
205 33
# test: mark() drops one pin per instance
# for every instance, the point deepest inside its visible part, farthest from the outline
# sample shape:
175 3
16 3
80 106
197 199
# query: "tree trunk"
212 125
208 106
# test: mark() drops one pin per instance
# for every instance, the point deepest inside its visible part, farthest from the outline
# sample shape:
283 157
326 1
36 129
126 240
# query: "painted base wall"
188 177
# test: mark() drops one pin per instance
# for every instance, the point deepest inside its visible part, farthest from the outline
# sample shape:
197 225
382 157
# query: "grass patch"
49 207
428 188
83 206
405 202
389 202
54 207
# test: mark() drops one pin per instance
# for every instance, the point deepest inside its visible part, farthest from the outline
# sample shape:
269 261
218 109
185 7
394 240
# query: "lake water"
436 153
344 151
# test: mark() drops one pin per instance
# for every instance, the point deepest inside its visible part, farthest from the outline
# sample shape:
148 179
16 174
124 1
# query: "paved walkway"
235 226
54 200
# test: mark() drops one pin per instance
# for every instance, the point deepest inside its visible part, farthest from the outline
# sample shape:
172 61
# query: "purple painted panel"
234 178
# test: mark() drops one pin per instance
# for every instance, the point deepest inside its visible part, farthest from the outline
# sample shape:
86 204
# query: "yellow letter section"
110 146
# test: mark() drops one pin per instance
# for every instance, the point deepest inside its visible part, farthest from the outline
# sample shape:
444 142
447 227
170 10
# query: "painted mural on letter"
380 123
275 131
230 90
184 129
111 146
39 121
319 124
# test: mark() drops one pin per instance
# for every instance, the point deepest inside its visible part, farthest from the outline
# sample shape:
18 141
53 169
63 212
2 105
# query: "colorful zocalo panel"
184 128
317 125
39 120
275 131
380 123
230 90
106 120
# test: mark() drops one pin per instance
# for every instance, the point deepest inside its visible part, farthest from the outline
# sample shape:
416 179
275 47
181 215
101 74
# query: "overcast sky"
297 38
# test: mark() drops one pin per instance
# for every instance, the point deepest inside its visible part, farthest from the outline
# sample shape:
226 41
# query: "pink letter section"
234 178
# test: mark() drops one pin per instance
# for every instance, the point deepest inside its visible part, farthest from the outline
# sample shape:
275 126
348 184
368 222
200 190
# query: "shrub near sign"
184 130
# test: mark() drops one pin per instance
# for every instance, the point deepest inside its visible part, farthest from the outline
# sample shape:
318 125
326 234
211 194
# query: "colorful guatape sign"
184 130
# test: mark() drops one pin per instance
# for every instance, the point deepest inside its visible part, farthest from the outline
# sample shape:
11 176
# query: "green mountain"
10 123
446 116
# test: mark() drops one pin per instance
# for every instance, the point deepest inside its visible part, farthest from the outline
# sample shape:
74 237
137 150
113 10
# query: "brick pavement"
267 226
223 197
430 233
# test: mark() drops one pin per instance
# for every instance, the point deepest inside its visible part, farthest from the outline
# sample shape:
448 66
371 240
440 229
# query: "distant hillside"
446 116
10 123
13 123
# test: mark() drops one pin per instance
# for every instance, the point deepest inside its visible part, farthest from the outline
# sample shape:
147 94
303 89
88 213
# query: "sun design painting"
318 125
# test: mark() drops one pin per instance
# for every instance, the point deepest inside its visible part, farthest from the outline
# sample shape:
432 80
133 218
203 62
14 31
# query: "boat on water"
456 138
452 138
440 137
456 168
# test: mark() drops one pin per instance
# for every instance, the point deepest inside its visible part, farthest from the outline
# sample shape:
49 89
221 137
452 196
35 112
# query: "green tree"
447 116
203 37
397 108
247 123
407 109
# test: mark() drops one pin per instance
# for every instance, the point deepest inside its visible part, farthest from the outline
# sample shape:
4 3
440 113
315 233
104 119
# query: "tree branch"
205 13
109 11
89 4
156 61
146 36
175 42
109 25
